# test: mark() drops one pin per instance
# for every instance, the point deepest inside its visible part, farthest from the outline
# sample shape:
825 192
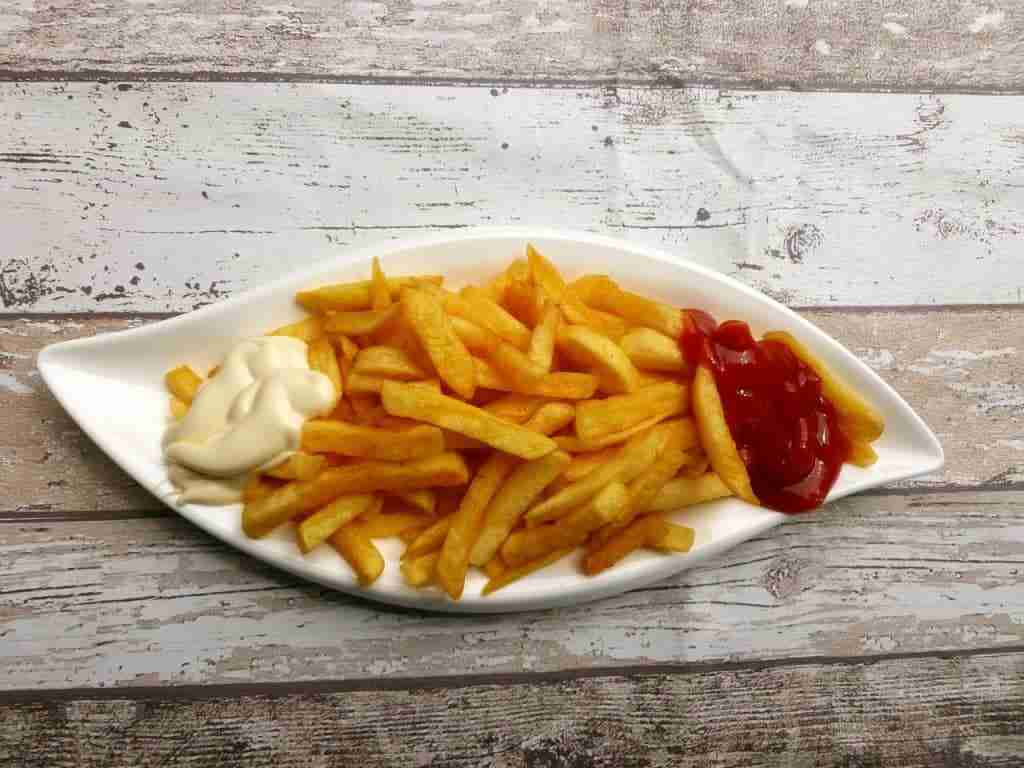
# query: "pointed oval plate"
113 387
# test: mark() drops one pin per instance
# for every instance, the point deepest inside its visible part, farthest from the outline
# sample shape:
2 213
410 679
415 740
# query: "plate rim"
585 590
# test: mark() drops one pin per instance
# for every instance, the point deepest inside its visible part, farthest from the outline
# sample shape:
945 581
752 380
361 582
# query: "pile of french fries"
499 427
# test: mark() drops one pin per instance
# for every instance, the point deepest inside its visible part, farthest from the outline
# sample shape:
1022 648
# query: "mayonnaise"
249 416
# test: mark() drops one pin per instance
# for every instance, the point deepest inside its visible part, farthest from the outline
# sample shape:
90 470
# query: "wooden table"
859 163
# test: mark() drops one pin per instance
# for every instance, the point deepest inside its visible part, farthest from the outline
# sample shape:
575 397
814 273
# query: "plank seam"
200 692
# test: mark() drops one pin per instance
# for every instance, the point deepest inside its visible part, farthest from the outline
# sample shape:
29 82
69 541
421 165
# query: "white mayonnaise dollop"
249 416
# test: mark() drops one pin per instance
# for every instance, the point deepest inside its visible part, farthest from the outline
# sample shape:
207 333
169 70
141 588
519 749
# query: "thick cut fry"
478 340
496 288
597 418
387 362
321 436
365 407
409 535
379 525
542 341
424 500
546 275
522 487
263 515
362 384
716 438
608 507
298 466
380 292
453 441
179 408
519 269
347 348
684 491
452 414
524 301
515 367
360 323
572 444
653 351
696 463
615 373
634 457
675 538
561 385
465 527
551 418
601 292
514 407
430 539
862 454
645 487
308 329
509 575
258 487
183 383
477 307
859 420
585 463
635 535
319 526
494 567
322 358
447 353
419 571
350 297
359 552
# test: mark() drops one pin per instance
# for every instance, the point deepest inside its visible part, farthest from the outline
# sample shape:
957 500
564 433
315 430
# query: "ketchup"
786 431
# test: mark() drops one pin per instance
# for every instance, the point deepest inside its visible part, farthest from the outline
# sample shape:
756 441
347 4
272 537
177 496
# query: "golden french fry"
524 301
685 491
447 353
380 292
429 539
360 323
514 407
179 408
635 456
478 340
696 463
542 342
350 297
585 463
423 500
629 539
597 418
494 567
323 359
380 525
576 311
523 485
862 454
652 378
359 552
347 348
615 373
322 436
298 466
674 538
362 384
452 414
465 526
479 308
509 575
551 418
257 487
609 506
318 527
420 571
309 329
453 441
262 516
183 383
858 419
519 269
561 385
653 351
716 438
515 367
572 444
389 363
496 288
601 292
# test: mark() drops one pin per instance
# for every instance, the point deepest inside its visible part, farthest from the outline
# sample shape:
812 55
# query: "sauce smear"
785 429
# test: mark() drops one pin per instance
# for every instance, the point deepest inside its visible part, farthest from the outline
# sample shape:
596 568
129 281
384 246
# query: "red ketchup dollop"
786 431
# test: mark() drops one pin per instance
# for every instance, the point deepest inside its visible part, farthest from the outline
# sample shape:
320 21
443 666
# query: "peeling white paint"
823 47
879 359
897 30
9 383
796 3
990 20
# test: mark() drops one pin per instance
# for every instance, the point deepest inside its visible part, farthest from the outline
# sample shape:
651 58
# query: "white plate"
113 387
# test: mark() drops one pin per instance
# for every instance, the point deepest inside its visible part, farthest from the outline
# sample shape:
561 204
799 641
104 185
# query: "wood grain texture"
802 43
956 713
170 195
957 368
156 602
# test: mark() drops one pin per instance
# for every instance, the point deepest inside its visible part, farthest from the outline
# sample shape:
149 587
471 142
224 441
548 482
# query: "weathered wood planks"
165 196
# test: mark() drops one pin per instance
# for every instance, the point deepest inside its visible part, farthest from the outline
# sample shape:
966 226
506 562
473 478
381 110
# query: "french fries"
497 429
